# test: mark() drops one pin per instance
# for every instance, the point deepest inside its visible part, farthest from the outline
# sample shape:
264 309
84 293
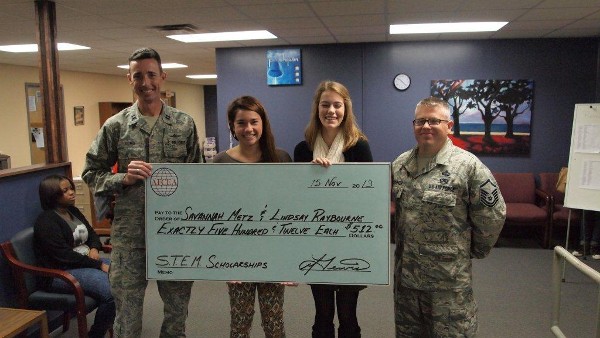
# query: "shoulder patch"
488 193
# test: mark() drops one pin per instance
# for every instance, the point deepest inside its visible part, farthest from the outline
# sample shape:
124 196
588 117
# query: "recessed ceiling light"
200 76
164 65
224 36
455 27
30 48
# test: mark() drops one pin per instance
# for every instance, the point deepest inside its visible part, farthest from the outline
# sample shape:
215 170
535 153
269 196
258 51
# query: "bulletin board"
35 116
583 178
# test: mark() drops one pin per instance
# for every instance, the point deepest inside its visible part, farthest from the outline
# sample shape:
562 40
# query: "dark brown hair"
267 140
146 53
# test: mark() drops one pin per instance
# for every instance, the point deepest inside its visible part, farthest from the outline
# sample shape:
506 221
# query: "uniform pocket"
175 146
131 150
442 198
443 260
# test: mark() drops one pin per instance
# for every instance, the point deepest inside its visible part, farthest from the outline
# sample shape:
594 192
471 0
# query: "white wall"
14 129
80 89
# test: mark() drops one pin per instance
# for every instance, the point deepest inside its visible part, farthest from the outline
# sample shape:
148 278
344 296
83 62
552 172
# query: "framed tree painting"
491 117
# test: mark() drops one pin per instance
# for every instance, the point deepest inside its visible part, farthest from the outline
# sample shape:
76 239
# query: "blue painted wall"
243 72
565 72
210 112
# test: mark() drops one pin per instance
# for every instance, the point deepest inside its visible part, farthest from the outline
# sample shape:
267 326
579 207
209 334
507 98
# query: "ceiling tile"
584 24
574 33
310 40
555 14
354 20
517 34
349 7
114 28
311 22
569 3
523 25
495 4
275 11
366 30
411 6
292 32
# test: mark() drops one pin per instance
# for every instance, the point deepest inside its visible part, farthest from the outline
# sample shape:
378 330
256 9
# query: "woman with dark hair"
332 136
63 239
249 124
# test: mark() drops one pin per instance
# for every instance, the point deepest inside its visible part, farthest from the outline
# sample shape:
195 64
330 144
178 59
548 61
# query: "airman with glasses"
448 210
431 134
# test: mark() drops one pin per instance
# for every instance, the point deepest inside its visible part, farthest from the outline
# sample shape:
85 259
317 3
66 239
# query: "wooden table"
15 321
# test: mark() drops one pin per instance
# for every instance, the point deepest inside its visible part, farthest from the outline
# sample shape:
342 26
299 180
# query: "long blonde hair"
350 130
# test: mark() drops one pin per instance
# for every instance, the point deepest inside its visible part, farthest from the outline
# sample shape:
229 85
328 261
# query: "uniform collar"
442 157
166 115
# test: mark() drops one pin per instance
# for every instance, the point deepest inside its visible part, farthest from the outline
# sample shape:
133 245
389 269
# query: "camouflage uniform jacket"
447 214
125 137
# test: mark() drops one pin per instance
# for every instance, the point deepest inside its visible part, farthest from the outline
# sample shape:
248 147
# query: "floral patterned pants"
270 300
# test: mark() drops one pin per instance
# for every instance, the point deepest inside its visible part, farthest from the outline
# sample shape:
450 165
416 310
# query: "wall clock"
402 82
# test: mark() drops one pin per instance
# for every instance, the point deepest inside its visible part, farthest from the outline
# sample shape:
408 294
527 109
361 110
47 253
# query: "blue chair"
22 261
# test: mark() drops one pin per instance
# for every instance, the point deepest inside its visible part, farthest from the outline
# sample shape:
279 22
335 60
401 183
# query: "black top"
360 152
54 243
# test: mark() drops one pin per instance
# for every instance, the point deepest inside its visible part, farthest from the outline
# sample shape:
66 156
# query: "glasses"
432 122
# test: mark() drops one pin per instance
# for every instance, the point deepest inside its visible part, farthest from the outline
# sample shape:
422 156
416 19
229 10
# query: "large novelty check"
269 222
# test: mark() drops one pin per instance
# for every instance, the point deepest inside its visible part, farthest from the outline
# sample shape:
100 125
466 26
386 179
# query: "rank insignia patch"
488 193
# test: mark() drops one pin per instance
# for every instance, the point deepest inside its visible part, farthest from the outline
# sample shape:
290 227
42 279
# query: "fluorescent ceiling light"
456 27
19 48
173 65
30 48
224 36
70 46
205 76
164 65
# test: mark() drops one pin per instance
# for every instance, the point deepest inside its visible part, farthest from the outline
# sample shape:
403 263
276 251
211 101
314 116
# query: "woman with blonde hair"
332 136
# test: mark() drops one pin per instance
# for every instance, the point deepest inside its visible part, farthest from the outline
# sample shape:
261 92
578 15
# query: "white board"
583 179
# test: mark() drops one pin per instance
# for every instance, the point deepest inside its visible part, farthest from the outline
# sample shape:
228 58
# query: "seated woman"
63 239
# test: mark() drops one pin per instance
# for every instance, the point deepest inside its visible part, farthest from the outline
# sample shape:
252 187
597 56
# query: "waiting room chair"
526 206
559 214
21 258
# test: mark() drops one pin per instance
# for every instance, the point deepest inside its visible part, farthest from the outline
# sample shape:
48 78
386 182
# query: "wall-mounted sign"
284 67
